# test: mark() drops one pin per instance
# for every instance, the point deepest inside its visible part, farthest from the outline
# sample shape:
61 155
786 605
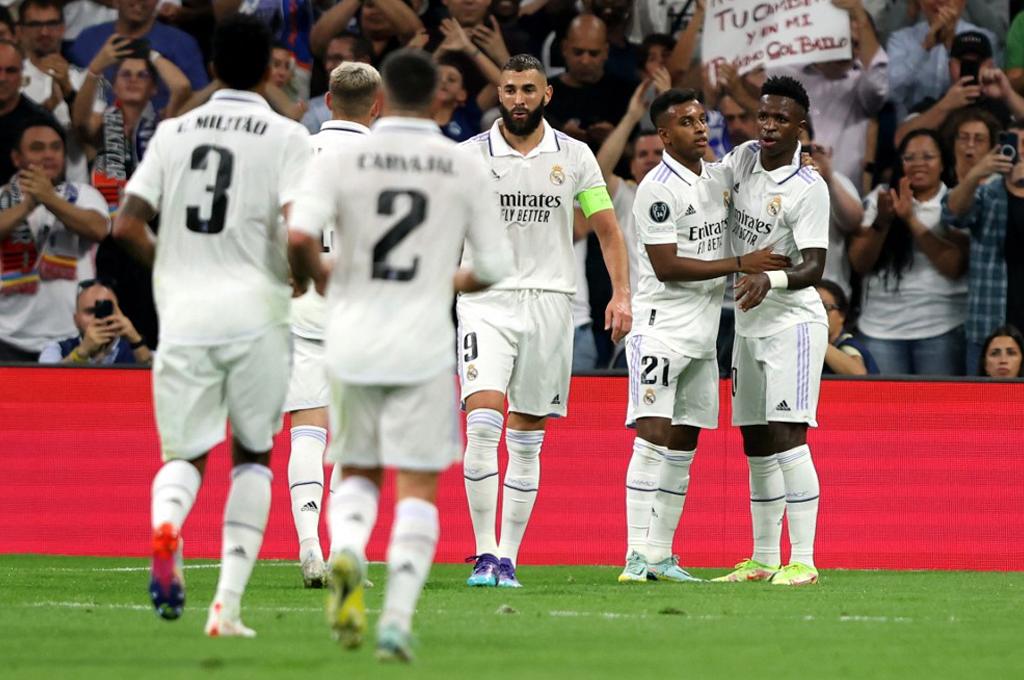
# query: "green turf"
89 617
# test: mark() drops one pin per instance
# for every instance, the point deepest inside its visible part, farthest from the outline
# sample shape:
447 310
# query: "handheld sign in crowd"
752 33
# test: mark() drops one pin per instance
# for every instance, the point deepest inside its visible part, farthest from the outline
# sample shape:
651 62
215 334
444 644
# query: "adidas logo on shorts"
783 406
557 401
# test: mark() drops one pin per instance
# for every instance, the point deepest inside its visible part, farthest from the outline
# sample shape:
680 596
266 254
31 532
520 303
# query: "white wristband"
778 279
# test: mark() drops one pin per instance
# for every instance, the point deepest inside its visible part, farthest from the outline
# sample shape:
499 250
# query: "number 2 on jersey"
219 197
413 218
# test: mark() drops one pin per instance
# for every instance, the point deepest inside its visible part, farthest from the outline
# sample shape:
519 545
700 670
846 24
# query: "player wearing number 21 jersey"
220 177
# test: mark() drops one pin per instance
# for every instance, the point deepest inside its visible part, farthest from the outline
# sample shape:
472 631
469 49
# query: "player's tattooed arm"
751 290
131 229
670 267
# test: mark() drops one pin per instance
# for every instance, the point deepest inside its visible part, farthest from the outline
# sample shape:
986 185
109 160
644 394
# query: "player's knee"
786 436
242 455
524 447
483 428
654 430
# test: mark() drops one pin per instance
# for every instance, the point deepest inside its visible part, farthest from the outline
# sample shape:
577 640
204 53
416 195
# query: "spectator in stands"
1015 53
847 94
914 296
346 46
892 15
587 102
47 226
457 116
507 14
845 354
971 133
919 54
16 110
387 24
1003 352
104 341
82 14
6 24
136 20
740 124
480 73
48 79
991 209
623 58
662 16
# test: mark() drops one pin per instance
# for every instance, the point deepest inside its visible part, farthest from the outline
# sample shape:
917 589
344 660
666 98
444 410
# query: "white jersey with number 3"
409 201
219 176
787 209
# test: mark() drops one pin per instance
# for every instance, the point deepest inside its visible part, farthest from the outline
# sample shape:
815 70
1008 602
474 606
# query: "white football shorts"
196 388
777 378
666 384
519 343
408 427
308 387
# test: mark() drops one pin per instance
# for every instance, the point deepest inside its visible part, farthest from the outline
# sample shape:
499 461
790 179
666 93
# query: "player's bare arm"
617 316
668 266
131 229
751 290
304 259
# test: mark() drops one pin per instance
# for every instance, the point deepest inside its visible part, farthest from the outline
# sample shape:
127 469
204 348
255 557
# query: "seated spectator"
47 226
845 354
845 95
16 110
121 132
136 20
105 335
1015 53
989 204
344 47
919 54
1002 353
387 24
914 296
457 116
971 133
587 102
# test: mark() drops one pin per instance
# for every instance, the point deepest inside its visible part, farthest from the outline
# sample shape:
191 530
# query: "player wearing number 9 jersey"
220 177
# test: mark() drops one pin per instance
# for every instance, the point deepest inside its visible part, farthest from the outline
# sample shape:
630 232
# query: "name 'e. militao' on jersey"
675 206
787 209
536 194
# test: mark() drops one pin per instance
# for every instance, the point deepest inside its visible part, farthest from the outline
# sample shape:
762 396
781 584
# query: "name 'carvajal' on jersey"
404 163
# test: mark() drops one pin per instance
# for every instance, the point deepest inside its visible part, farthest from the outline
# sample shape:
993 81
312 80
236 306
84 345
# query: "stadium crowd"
914 137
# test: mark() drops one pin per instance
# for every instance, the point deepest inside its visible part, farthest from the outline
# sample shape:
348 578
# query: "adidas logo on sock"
557 400
238 551
309 507
783 406
690 211
356 517
406 568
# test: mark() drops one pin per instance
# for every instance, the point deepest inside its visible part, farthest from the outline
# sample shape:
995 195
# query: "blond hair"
354 87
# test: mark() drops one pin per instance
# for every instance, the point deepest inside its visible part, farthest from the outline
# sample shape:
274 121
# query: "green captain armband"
594 200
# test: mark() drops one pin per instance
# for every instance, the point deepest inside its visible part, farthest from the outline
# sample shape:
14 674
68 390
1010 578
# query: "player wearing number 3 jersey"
219 176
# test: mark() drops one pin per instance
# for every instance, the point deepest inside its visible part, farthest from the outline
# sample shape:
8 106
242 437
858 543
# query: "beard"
525 127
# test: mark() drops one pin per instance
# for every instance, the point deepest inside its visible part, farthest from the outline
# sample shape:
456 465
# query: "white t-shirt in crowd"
220 175
837 265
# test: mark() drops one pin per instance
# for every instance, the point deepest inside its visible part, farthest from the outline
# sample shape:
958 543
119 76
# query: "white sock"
306 484
802 491
767 503
352 513
673 483
174 491
522 478
480 471
245 519
410 553
641 485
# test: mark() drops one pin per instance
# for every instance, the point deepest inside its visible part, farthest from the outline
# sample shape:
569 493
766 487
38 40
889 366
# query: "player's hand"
763 260
298 288
751 291
903 200
321 278
618 316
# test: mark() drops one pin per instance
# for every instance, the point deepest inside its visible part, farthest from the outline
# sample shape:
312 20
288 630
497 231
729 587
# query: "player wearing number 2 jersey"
219 176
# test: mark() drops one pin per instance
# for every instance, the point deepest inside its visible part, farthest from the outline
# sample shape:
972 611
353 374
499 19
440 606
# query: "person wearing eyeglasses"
915 293
105 335
47 228
845 355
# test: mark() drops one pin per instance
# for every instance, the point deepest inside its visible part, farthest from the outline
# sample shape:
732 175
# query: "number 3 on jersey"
413 217
202 156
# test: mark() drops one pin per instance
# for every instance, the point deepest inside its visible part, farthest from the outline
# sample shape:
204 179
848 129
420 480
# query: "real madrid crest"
775 206
649 397
471 372
725 198
557 176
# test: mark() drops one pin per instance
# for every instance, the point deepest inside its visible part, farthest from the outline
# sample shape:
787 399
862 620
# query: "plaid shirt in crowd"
986 276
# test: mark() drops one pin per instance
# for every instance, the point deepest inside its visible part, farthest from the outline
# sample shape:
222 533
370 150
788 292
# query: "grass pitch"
90 618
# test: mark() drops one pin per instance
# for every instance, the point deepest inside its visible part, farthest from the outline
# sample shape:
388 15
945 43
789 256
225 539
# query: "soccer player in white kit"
516 340
681 214
219 177
409 201
781 333
354 103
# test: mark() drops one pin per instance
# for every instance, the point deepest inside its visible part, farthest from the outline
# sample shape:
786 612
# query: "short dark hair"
410 79
524 62
39 4
42 121
6 18
670 98
970 114
785 86
362 49
837 292
1007 330
241 51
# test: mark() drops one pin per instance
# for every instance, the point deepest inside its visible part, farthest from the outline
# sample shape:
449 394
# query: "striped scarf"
27 259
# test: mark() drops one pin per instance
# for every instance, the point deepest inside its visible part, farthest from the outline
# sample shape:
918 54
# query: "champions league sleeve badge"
659 211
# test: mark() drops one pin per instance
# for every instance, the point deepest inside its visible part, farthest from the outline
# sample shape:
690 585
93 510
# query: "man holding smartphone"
993 213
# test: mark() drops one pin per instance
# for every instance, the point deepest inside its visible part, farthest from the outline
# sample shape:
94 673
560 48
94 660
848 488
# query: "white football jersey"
535 194
787 209
673 205
309 311
219 176
409 201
